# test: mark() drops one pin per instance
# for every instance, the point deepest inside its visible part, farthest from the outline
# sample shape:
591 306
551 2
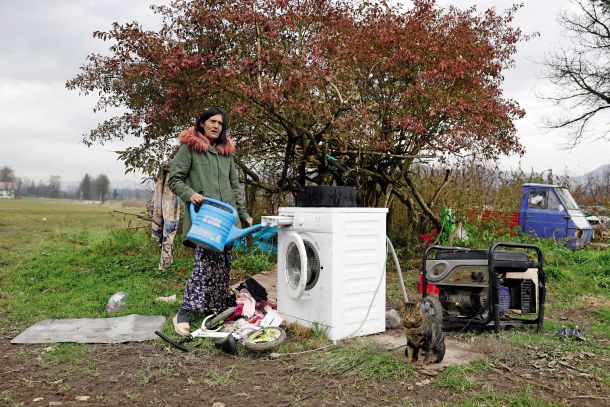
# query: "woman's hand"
196 198
249 221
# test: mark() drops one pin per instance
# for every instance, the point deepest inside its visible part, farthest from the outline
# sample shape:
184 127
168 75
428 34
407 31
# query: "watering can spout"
237 233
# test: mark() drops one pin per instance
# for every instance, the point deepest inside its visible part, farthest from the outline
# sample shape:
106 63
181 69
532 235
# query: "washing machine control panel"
314 221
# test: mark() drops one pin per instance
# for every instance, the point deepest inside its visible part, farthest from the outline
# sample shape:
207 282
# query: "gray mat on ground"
130 328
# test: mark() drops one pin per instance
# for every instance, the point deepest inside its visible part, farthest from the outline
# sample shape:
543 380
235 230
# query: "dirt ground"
152 374
143 374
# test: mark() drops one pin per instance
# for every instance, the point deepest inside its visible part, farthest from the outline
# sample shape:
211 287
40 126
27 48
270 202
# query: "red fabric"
502 219
237 313
255 320
427 237
513 222
431 289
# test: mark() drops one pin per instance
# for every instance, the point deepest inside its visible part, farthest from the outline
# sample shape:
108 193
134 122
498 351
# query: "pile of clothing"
252 308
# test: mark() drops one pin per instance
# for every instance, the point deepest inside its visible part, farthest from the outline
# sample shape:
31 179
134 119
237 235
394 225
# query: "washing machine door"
295 268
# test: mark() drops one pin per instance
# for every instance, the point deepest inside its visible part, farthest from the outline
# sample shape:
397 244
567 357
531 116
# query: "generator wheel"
265 339
431 306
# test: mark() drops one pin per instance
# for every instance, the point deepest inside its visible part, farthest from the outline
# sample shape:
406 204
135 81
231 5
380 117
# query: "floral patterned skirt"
207 290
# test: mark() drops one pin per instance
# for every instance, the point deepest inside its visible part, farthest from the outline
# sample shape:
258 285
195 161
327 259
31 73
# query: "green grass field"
61 259
64 259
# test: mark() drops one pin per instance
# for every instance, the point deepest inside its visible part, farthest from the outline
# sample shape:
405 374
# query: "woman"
204 166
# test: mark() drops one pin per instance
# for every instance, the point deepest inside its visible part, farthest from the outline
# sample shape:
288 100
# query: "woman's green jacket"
208 173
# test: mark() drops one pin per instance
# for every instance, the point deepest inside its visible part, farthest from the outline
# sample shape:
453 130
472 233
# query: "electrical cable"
405 297
402 284
461 330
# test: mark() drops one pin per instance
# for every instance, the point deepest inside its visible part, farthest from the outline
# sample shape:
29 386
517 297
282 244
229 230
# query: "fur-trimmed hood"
199 142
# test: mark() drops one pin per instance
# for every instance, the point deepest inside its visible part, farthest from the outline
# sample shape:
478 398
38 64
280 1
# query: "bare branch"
582 73
420 201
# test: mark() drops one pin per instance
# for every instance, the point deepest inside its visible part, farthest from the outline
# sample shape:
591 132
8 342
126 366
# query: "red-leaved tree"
319 91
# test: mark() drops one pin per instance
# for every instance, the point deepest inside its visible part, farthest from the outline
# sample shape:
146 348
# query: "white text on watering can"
203 233
210 220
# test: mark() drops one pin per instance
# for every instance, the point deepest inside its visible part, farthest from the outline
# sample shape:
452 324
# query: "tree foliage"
582 71
86 188
7 174
102 187
54 186
311 84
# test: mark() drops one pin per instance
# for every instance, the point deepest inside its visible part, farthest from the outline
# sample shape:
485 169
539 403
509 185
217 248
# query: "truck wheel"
264 339
432 307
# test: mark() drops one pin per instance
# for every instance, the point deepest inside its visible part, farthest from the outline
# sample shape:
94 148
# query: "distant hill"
597 175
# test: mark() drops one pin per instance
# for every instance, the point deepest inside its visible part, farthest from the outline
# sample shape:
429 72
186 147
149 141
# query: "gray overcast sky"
44 42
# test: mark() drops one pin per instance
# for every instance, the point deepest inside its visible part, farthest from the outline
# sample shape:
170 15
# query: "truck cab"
550 211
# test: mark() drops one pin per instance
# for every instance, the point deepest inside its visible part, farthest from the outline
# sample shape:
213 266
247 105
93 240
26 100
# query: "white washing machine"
331 268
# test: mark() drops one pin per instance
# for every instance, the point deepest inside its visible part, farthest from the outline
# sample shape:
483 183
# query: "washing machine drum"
302 266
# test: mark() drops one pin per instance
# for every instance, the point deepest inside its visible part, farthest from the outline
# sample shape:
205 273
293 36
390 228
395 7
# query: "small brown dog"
424 334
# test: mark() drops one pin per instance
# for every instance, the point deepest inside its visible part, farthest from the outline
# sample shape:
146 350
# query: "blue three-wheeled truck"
550 211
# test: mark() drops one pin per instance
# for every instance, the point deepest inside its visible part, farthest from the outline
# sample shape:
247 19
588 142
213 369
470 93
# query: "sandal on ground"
181 328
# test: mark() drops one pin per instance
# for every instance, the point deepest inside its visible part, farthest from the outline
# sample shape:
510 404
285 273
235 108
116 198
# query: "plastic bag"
117 301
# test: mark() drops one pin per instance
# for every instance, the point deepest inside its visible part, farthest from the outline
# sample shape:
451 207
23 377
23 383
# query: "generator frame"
493 303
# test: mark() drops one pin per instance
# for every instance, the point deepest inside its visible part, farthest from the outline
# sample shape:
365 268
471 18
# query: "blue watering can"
212 226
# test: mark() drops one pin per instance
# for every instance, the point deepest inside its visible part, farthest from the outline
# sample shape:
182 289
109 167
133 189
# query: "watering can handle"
221 204
213 201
